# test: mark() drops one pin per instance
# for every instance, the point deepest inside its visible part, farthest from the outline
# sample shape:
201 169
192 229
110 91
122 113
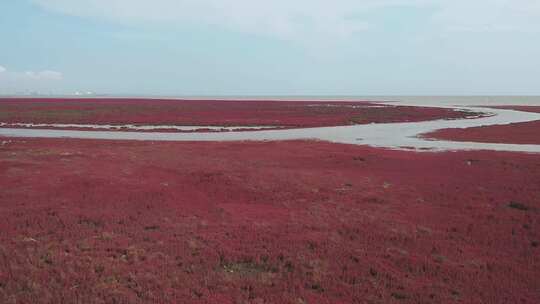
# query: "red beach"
518 133
104 221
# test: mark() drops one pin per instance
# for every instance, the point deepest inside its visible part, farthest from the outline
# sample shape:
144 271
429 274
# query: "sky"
278 47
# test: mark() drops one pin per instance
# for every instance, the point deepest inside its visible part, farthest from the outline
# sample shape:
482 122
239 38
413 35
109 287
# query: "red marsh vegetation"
517 133
211 112
265 222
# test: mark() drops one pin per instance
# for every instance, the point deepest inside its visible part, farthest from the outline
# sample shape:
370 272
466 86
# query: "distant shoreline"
412 100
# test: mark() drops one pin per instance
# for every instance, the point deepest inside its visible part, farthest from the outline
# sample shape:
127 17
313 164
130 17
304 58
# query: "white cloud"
282 18
30 75
43 75
299 18
490 16
14 81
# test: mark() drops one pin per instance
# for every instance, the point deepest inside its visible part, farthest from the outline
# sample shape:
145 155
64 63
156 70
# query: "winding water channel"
386 135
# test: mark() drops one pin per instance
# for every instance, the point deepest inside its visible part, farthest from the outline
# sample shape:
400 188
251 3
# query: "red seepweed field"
211 112
517 133
85 221
98 221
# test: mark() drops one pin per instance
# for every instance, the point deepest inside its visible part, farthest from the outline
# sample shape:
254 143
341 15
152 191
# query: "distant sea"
405 99
412 100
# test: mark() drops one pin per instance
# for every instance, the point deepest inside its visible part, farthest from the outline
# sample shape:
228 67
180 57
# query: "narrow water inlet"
385 135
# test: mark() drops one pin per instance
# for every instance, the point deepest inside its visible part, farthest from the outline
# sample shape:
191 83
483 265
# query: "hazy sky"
271 47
